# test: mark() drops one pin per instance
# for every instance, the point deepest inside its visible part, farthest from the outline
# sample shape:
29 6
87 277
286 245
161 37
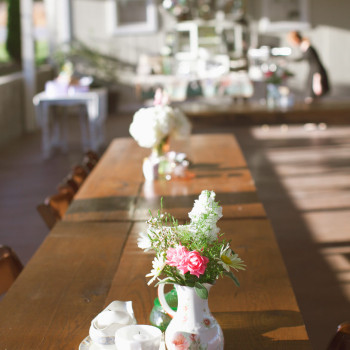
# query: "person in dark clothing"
317 83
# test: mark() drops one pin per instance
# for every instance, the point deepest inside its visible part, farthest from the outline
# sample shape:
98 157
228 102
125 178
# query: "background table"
92 118
91 258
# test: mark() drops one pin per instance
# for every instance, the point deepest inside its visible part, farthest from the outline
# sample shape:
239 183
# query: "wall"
330 34
97 32
12 103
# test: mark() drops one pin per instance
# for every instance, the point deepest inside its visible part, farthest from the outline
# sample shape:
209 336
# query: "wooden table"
91 258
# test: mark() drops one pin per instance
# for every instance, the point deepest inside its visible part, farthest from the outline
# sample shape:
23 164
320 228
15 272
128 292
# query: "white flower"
150 126
205 206
158 264
229 259
205 214
144 242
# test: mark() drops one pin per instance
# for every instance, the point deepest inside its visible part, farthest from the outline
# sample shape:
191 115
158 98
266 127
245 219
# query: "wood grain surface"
51 304
116 189
261 314
91 258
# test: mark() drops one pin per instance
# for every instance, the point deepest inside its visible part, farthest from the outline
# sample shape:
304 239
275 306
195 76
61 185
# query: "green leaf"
233 277
167 280
201 290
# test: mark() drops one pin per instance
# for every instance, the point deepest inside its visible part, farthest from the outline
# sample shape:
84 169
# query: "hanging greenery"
13 41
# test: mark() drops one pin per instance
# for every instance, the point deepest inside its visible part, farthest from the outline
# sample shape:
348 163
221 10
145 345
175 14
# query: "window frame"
148 26
267 26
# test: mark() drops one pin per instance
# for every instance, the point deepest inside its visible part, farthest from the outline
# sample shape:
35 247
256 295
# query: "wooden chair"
92 156
341 340
78 174
90 160
10 268
54 207
75 178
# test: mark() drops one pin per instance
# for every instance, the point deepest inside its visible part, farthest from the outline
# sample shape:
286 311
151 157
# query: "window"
284 15
134 16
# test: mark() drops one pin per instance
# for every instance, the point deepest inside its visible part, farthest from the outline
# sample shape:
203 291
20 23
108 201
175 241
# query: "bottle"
158 317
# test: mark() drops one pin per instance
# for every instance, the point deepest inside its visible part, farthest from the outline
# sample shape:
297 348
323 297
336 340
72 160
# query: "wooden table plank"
116 190
91 258
110 191
218 165
261 314
51 303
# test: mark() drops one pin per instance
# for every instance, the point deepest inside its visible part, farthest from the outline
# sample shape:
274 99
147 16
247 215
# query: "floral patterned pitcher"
193 327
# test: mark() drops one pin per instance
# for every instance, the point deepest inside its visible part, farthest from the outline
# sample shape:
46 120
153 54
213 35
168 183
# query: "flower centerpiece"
152 127
278 75
276 87
192 257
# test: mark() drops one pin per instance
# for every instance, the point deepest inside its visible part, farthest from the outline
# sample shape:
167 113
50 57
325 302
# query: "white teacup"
116 315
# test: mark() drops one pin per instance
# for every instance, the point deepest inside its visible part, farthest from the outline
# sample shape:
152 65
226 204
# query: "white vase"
192 326
150 167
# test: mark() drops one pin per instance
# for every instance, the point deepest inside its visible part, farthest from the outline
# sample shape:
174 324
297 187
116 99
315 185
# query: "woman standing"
317 84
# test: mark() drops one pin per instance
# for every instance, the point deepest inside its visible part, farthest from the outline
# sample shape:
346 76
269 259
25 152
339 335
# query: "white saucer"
88 344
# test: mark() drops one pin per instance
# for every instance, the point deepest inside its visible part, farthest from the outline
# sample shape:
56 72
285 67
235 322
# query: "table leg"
56 121
64 130
92 111
43 109
84 119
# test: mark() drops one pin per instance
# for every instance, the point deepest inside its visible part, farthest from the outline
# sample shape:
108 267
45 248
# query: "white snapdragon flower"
205 206
158 265
205 214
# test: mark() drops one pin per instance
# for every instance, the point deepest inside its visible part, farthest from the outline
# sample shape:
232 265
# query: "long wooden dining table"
91 258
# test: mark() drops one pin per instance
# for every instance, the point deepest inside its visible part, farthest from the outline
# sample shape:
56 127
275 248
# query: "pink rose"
187 261
196 263
178 257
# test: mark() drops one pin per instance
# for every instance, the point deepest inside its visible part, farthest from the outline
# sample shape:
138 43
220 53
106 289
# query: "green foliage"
4 56
88 61
41 52
201 291
14 41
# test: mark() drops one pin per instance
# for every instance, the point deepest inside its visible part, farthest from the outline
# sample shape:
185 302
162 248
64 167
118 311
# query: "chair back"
59 202
10 268
79 174
54 207
341 339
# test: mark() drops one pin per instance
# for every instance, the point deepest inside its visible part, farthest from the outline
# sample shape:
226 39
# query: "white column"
28 62
59 20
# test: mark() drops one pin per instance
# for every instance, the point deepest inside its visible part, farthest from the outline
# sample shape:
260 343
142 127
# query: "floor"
302 174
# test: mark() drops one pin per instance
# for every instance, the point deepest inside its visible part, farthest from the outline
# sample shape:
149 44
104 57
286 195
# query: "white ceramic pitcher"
192 326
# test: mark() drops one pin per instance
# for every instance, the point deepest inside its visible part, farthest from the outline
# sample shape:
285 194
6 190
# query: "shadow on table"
186 201
275 330
113 203
214 167
103 204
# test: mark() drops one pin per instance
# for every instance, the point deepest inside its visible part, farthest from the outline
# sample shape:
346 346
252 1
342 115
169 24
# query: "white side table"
54 127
